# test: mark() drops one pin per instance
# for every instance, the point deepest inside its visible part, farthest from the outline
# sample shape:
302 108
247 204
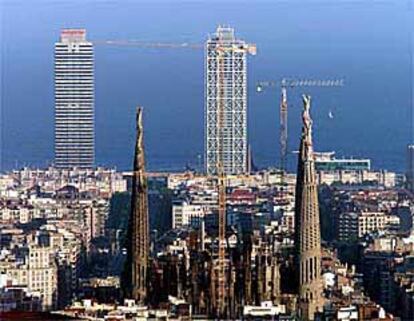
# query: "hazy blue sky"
365 42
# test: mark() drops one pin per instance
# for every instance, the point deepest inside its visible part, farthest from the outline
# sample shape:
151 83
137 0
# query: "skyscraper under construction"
231 76
307 226
136 269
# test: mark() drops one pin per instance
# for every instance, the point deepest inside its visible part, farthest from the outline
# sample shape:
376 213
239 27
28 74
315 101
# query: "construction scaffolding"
223 49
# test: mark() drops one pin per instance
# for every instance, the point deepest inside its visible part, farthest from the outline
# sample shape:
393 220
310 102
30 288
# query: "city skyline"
259 230
114 110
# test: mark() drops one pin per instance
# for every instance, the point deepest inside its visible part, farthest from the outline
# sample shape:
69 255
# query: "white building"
266 309
184 214
326 161
74 100
226 86
349 313
350 171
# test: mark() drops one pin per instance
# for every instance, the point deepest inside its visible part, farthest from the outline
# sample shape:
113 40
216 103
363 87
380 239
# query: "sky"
366 43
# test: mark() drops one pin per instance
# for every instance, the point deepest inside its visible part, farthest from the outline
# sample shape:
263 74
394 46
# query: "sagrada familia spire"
307 226
136 273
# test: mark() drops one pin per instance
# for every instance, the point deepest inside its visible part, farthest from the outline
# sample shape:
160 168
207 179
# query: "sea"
368 44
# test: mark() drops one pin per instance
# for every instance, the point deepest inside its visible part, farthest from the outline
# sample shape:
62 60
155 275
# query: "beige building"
384 178
39 273
355 225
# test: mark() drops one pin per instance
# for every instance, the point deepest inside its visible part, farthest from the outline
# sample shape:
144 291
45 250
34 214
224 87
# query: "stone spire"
307 226
138 233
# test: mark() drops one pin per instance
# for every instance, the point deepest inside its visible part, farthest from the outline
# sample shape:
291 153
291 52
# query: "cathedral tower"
307 226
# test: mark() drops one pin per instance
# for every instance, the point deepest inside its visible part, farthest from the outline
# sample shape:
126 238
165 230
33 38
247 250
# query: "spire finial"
139 117
139 126
307 126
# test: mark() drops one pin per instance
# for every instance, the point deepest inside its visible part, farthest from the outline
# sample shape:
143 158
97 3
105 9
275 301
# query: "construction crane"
251 48
283 108
221 297
147 44
220 305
